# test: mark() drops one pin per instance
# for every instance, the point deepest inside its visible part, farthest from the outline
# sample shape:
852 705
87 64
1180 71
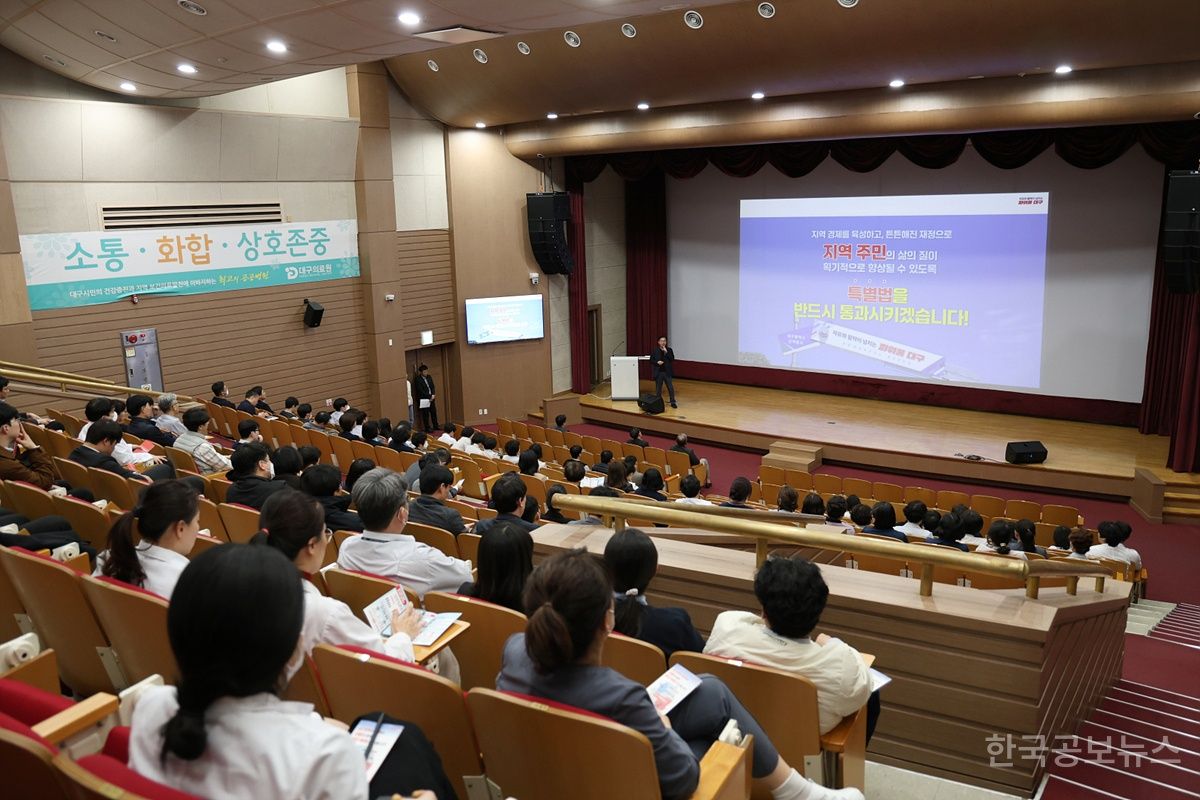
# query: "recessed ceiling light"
552 115
895 83
572 38
693 20
480 56
433 65
766 10
672 7
523 48
757 96
54 60
1062 69
628 30
186 69
128 87
192 8
409 18
108 37
277 46
643 106
974 77
847 3
480 125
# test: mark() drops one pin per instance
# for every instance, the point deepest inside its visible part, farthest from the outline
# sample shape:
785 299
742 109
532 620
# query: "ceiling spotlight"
409 18
643 106
523 48
433 65
847 3
128 87
186 69
1062 69
480 125
572 38
192 8
277 46
552 115
693 20
108 37
895 83
766 10
758 96
629 30
480 56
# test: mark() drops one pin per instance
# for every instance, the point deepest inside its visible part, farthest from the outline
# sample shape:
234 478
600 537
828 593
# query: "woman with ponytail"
294 524
1000 536
168 519
632 560
234 625
568 599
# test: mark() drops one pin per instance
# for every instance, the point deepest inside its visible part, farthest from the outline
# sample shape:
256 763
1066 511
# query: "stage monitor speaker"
548 214
1181 232
1025 453
651 404
313 312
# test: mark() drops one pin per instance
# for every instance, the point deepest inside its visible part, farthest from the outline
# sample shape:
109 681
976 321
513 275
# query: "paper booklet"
379 616
671 687
378 738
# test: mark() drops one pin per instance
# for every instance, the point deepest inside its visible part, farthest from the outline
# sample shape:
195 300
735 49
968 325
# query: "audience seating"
359 682
306 687
135 622
987 505
85 519
438 538
204 543
101 777
639 661
1060 515
1022 509
480 647
343 453
182 459
358 589
14 619
468 547
926 496
566 752
823 483
536 488
28 500
388 458
363 450
113 487
72 472
888 492
241 522
857 486
325 445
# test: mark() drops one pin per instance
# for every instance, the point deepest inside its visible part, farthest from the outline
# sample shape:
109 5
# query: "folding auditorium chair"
468 511
210 519
40 672
358 589
890 492
554 437
568 752
114 488
1060 515
770 493
798 479
987 505
858 486
324 443
824 483
536 433
926 496
1023 509
102 777
360 682
343 453
536 488
135 622
29 500
205 543
437 538
241 522
89 522
388 458
73 473
59 444
656 457
73 424
53 595
472 480
14 619
282 432
363 450
306 687
947 499
785 705
182 459
639 661
489 513
480 648
504 426
408 459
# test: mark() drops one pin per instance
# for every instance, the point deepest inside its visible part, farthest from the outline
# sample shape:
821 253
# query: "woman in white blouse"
168 519
294 524
1000 539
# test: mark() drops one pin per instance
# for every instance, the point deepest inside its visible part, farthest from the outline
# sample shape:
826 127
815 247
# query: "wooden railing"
616 511
36 377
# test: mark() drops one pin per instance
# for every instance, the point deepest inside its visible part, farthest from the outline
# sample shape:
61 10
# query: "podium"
623 371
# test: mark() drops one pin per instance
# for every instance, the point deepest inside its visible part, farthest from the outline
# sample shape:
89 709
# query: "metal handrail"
64 380
763 533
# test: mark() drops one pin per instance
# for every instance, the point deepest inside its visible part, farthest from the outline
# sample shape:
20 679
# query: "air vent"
457 35
116 218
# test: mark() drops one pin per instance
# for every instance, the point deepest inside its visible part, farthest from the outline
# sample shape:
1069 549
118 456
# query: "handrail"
763 532
100 387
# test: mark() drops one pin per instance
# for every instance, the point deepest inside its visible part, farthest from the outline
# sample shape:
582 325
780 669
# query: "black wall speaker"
651 404
313 311
1025 453
548 214
1181 232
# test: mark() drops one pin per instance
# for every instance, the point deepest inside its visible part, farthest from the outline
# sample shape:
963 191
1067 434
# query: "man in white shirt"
690 486
381 497
914 513
447 438
339 406
1114 534
168 408
464 439
127 456
194 442
793 595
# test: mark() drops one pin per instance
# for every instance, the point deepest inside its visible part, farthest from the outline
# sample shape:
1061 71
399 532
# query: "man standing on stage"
662 367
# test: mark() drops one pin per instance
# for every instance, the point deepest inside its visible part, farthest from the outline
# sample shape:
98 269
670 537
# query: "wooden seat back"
504 425
824 483
135 623
468 547
205 543
926 496
554 437
437 538
472 480
73 473
889 492
364 450
678 463
53 596
59 444
388 458
359 590
306 687
182 459
987 505
947 499
85 519
358 684
29 500
113 487
1023 509
241 522
639 661
536 487
14 619
27 766
480 647
281 432
324 443
343 453
1056 515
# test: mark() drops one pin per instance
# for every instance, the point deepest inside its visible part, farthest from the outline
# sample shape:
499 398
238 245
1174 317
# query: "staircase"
1181 498
1146 615
1181 626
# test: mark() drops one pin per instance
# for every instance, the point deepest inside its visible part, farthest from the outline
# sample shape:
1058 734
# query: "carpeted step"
1061 788
1137 780
1170 746
1145 729
1183 722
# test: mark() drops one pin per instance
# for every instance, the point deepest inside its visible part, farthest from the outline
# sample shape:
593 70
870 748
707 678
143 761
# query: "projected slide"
926 287
504 319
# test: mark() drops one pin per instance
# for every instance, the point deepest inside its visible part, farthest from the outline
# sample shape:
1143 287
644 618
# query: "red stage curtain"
577 295
646 262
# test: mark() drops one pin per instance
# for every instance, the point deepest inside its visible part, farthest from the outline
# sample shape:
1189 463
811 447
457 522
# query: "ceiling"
145 40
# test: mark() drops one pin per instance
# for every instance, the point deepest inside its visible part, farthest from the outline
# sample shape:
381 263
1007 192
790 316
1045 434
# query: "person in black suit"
141 421
632 559
96 451
635 437
423 389
253 476
221 395
662 368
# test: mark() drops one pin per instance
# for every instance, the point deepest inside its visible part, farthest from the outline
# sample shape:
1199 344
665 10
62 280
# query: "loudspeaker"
1181 232
313 311
651 404
1025 453
548 215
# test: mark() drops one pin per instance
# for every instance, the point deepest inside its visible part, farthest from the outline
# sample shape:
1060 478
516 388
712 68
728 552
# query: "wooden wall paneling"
426 272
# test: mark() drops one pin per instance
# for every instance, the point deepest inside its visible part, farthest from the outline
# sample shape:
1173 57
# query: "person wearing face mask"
253 476
102 408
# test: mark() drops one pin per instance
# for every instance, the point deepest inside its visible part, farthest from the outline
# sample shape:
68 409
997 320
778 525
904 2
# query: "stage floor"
1083 457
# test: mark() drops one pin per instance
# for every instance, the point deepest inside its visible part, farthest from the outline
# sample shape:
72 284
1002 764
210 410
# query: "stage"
1084 458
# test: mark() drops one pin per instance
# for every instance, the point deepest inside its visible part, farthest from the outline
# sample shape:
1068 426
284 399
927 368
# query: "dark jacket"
668 366
483 525
247 407
428 510
423 388
892 532
94 458
653 495
946 542
253 491
146 429
337 515
690 453
223 401
638 442
350 436
261 405
670 629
